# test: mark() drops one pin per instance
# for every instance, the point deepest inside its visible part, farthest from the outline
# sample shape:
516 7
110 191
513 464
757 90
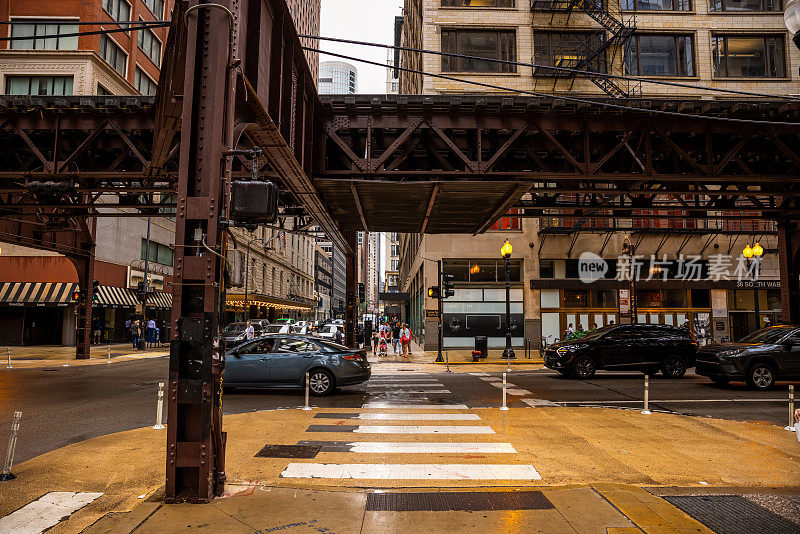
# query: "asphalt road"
69 404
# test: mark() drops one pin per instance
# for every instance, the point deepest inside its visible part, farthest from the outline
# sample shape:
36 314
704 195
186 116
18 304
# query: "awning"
115 297
37 293
254 299
159 300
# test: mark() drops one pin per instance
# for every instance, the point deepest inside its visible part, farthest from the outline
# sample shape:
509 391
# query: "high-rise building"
373 278
715 43
337 78
323 276
306 15
392 264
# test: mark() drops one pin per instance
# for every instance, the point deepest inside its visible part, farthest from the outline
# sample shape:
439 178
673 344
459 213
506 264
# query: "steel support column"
789 260
351 283
84 265
195 441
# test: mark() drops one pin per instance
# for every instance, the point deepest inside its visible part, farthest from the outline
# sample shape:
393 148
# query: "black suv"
646 347
760 358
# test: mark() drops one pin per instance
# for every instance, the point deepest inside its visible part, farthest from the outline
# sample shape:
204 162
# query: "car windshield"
273 329
771 334
234 327
596 334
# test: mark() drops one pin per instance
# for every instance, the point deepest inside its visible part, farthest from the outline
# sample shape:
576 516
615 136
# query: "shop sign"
624 301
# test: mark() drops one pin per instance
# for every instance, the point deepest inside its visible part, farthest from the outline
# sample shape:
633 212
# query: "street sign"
431 314
624 301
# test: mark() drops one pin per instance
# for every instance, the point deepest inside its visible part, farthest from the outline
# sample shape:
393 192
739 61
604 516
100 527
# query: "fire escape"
597 53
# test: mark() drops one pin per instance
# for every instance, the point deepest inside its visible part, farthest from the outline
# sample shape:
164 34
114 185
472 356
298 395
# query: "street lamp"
791 16
755 252
506 250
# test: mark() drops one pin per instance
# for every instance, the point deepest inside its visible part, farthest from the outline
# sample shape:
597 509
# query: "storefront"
115 306
37 313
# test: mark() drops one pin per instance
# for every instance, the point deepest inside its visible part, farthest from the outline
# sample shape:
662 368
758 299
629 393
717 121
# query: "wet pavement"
64 405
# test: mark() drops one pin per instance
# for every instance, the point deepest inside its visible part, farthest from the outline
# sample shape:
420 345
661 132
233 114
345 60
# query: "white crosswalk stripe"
419 416
422 429
412 471
392 405
46 511
374 447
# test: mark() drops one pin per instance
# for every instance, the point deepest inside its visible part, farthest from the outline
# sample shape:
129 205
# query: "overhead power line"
67 22
553 96
552 68
140 26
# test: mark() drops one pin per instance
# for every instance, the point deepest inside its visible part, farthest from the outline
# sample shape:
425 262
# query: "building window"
119 10
156 7
507 223
39 85
745 5
660 55
483 43
150 45
748 57
20 32
568 50
143 83
657 5
477 3
158 253
113 54
102 91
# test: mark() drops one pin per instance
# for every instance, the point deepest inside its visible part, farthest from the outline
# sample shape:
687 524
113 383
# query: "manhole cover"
732 514
288 451
458 501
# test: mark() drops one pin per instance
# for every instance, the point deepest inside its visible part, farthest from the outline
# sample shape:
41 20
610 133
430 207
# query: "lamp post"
506 250
629 250
791 16
755 252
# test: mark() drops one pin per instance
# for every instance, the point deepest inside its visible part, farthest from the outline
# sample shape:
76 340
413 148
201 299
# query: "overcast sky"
363 20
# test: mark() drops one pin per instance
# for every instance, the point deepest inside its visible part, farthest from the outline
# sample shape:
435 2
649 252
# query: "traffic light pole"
144 295
439 283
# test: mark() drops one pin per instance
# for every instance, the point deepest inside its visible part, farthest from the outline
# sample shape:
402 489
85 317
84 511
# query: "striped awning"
159 300
37 293
114 297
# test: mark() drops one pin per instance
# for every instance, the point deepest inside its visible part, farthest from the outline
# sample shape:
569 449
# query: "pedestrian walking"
97 330
128 329
135 333
396 337
375 337
150 333
249 332
405 339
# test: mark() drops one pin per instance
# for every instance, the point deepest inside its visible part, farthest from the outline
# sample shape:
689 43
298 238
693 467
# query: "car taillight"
352 357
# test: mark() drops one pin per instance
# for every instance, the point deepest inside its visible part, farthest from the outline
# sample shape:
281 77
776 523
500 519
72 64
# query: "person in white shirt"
249 332
151 332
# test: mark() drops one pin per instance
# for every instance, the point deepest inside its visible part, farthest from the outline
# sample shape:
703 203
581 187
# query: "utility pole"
439 283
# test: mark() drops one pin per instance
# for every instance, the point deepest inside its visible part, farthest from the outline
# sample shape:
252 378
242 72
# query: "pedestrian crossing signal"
434 292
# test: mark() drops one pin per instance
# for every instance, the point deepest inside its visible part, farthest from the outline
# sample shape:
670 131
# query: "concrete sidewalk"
54 356
586 457
458 360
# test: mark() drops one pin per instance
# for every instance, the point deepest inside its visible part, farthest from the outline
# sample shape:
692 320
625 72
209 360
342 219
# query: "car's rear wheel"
673 367
761 376
583 367
320 382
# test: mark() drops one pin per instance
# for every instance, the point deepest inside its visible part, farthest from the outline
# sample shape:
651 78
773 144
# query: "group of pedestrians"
151 331
396 334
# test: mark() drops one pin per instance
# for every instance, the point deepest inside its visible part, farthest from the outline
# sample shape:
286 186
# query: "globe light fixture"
506 249
758 250
747 252
791 16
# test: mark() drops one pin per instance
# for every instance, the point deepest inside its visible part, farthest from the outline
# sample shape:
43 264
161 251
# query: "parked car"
284 320
233 334
263 323
644 347
299 329
760 358
329 331
281 361
278 328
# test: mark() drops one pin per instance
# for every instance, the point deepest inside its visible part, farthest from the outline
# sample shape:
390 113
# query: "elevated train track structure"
235 77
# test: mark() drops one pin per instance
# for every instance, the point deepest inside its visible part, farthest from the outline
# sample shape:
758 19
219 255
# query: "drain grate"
732 514
288 451
470 501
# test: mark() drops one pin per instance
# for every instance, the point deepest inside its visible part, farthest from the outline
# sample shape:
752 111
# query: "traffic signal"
76 295
140 292
447 286
362 296
433 292
95 293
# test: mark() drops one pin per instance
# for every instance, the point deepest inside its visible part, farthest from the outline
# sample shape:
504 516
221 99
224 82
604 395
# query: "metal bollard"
505 407
12 445
160 407
447 361
8 365
646 410
791 409
109 354
308 385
